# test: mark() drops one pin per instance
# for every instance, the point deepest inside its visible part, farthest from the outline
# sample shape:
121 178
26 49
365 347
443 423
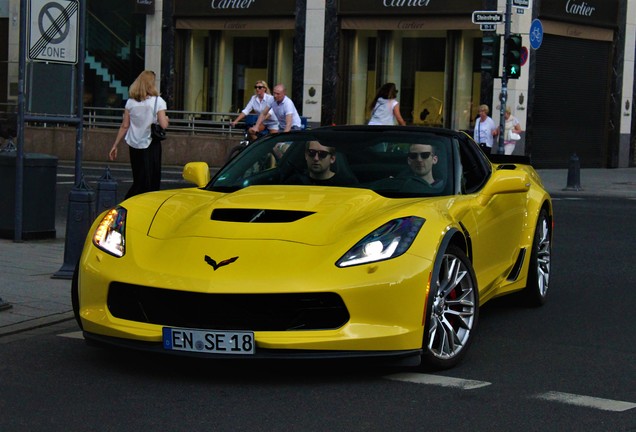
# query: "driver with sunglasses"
421 158
319 159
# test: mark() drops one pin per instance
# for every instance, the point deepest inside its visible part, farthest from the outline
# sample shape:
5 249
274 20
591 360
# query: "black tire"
75 296
536 291
452 311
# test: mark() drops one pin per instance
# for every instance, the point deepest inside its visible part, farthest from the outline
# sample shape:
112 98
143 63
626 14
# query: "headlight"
110 235
389 241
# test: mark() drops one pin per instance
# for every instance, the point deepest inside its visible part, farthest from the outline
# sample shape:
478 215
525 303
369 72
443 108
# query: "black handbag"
156 131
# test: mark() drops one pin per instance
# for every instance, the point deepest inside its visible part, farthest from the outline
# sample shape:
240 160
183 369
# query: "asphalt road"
567 366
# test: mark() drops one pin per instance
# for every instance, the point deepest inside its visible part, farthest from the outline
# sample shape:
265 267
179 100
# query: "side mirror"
197 173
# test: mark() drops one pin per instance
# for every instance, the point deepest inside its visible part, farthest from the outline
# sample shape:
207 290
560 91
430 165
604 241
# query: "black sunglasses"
423 155
259 87
321 153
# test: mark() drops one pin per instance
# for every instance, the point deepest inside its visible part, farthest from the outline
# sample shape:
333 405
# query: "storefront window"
422 89
433 70
221 67
250 65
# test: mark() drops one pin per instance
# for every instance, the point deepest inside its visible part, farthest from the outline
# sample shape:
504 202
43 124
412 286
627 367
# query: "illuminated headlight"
389 241
110 235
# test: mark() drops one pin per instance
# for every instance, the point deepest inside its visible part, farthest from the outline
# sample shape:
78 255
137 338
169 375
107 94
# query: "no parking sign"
53 30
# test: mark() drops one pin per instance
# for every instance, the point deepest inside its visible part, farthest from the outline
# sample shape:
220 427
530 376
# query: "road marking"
438 380
72 335
587 401
568 199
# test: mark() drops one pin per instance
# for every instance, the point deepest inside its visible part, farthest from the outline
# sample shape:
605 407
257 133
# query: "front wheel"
536 290
452 311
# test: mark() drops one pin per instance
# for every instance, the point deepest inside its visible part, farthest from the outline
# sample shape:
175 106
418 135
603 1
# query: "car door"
494 224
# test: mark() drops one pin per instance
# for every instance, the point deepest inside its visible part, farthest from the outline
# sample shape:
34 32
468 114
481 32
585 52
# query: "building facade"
574 95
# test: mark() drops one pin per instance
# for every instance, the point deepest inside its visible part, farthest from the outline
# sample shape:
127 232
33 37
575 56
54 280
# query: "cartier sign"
408 7
602 13
259 8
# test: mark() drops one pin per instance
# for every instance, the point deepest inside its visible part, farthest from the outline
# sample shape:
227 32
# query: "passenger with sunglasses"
320 160
257 103
421 158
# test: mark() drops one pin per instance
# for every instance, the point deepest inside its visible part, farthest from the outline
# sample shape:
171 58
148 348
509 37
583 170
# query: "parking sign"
53 30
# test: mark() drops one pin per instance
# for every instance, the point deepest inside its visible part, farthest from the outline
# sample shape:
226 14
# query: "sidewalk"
36 300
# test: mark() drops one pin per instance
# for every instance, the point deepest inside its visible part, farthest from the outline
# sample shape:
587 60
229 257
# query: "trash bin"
38 199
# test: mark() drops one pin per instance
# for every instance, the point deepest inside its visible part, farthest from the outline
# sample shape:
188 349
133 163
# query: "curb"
36 323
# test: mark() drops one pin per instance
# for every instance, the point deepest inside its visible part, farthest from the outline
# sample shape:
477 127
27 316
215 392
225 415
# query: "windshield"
393 162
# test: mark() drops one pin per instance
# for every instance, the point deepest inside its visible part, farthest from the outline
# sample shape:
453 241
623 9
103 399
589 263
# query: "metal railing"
192 122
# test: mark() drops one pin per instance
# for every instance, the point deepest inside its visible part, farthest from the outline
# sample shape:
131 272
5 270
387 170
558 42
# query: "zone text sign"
53 30
488 17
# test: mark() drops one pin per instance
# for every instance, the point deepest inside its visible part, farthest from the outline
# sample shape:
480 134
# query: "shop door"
571 102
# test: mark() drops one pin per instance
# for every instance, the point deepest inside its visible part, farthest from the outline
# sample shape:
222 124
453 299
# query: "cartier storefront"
430 49
222 47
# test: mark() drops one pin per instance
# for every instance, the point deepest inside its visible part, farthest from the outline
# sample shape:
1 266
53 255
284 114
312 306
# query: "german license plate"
208 341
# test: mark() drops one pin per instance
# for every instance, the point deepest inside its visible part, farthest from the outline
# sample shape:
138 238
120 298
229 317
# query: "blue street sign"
536 34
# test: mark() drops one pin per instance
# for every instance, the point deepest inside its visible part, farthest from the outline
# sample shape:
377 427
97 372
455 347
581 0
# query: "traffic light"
513 56
490 43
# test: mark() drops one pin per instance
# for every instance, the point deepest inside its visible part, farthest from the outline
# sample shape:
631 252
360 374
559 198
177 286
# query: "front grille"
257 312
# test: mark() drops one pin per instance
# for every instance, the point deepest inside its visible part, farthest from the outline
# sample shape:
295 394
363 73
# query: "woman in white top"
385 109
144 107
511 126
485 130
262 98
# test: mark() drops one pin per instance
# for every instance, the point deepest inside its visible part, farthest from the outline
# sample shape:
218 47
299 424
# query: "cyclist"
283 107
257 103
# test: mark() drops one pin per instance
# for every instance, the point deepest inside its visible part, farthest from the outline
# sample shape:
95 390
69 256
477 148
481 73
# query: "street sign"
488 17
524 56
488 27
53 31
521 3
536 34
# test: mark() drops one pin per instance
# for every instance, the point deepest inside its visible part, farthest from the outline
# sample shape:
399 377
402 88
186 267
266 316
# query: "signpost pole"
81 199
19 158
504 80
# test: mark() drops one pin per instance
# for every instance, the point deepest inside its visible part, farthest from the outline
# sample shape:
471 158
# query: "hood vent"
258 215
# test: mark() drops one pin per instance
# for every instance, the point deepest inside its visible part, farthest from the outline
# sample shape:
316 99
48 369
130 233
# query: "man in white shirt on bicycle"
284 109
257 103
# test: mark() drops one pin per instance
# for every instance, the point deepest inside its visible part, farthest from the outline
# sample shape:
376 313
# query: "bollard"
4 305
574 174
106 192
81 213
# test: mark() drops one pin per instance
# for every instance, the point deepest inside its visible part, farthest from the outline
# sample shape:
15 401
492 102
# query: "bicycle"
250 120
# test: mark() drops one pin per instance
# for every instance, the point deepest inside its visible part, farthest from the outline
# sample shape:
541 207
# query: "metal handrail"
193 122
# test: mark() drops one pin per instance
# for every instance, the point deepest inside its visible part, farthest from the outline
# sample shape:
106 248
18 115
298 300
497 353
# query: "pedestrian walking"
143 108
385 108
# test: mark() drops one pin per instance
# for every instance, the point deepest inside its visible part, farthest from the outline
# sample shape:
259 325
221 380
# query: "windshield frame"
376 157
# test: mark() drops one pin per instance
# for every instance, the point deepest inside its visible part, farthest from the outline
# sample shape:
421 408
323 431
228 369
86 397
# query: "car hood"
303 214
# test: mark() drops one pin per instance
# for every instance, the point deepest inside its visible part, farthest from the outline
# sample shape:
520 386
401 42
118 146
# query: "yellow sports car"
344 241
